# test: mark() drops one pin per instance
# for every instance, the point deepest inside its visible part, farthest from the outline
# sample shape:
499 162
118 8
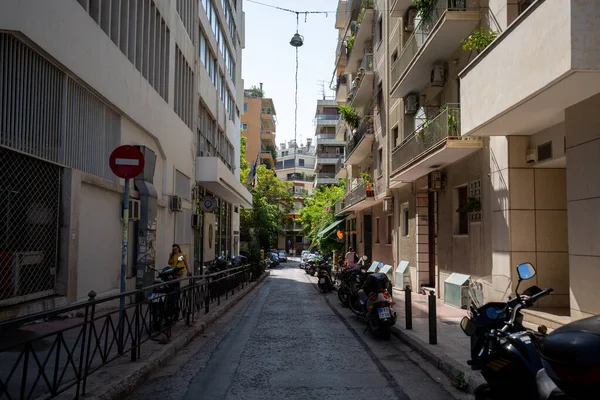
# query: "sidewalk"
452 350
119 377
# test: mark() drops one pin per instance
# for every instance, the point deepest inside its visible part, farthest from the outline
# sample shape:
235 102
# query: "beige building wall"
251 117
583 202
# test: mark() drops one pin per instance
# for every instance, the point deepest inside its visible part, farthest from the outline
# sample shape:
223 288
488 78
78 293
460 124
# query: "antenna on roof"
322 91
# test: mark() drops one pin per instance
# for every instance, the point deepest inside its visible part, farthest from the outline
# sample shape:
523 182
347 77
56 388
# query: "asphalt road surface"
287 341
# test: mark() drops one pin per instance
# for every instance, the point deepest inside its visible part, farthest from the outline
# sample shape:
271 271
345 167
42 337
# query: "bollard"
432 319
408 307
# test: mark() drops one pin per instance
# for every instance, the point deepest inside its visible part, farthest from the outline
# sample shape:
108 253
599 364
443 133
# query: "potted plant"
367 179
478 40
349 115
473 204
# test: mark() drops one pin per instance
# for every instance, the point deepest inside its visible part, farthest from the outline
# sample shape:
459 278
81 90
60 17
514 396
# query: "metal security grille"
29 210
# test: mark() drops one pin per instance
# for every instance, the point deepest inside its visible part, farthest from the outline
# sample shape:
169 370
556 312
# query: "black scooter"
375 304
324 275
506 353
164 298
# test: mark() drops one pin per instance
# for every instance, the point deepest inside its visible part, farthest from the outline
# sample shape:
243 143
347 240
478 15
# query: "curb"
139 372
451 368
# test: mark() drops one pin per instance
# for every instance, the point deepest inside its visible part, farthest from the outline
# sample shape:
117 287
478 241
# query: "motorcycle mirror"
525 271
467 326
365 258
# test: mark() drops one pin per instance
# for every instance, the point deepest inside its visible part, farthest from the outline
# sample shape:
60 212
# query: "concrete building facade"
259 125
479 164
79 78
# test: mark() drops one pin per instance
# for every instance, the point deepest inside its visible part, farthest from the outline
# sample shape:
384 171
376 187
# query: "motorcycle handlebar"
523 303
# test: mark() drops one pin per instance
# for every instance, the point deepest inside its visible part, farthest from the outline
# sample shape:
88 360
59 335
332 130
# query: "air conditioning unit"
411 15
388 204
196 220
531 155
175 203
411 104
437 76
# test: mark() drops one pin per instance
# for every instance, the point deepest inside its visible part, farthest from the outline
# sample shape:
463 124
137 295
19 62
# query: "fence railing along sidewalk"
62 358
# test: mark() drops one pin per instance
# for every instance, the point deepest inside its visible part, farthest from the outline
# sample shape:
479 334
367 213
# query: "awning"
329 228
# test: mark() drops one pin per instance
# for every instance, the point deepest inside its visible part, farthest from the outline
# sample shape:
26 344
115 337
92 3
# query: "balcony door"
368 237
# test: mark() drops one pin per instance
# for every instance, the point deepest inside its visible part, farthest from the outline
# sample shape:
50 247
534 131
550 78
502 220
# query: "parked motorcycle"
164 298
324 275
374 303
506 353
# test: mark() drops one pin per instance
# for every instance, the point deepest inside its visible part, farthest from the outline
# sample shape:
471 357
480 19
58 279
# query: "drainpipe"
146 234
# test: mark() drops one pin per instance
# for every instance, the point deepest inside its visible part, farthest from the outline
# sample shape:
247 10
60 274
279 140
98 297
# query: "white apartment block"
79 78
488 157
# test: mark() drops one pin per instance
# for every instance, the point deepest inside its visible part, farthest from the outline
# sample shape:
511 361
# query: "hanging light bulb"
297 40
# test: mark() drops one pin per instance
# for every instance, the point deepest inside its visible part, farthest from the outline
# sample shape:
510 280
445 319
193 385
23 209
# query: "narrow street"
288 341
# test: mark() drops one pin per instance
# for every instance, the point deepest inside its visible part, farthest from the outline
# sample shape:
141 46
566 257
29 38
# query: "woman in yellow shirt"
174 260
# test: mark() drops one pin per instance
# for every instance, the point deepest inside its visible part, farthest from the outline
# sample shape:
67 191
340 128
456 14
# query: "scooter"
506 353
164 298
324 276
376 305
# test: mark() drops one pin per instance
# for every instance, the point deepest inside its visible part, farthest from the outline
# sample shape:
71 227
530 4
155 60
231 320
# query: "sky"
269 58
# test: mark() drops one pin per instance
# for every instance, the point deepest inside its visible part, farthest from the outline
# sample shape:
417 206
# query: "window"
377 230
380 162
463 215
404 215
379 31
389 229
245 107
299 239
395 136
244 127
301 162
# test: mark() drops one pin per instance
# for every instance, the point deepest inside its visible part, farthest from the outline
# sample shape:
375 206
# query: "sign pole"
124 263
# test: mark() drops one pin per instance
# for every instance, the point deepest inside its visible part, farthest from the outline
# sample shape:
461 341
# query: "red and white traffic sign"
126 161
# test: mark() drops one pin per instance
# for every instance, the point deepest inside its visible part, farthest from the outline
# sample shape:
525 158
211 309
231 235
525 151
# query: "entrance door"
368 237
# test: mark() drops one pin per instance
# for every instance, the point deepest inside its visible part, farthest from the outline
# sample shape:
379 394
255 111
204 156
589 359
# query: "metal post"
123 265
408 307
432 319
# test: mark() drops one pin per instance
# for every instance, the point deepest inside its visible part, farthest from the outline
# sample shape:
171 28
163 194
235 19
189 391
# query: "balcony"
399 7
328 139
267 158
340 168
326 119
435 144
341 89
341 54
325 178
326 159
300 177
296 227
361 91
340 15
214 175
268 137
363 36
359 146
437 37
299 193
361 197
543 63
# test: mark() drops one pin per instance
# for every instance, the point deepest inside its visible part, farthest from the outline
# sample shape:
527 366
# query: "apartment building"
259 121
361 71
543 143
79 78
296 164
329 150
472 151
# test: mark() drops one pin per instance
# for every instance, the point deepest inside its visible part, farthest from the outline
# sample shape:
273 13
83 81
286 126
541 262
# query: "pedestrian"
178 259
350 258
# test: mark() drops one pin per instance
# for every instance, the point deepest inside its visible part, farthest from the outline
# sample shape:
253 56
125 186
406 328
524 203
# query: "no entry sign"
126 162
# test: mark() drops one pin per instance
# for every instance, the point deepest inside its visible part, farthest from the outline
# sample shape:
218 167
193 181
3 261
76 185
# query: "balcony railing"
445 126
357 195
366 66
265 110
423 30
330 117
329 158
324 136
326 175
367 127
339 165
300 177
299 192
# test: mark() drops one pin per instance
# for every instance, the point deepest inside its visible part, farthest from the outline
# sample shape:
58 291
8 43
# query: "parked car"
282 256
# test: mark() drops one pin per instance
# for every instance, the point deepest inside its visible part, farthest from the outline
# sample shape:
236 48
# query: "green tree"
272 200
244 166
319 212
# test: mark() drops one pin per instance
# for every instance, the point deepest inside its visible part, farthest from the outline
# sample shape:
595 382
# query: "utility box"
375 266
402 275
456 290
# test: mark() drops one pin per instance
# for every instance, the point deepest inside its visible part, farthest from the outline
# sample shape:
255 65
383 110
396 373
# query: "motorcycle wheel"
343 296
386 334
354 304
